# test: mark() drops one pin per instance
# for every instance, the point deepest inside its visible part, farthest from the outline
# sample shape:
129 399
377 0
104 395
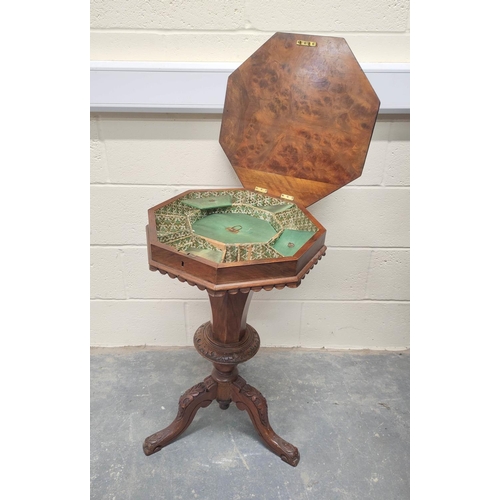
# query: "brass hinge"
287 197
260 190
306 43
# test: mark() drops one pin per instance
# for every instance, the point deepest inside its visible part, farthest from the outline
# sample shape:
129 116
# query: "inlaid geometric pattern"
174 224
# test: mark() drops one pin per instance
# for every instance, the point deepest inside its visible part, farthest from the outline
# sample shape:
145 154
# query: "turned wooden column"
226 341
228 331
229 316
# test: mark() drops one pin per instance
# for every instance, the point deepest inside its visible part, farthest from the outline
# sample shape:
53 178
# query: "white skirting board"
163 87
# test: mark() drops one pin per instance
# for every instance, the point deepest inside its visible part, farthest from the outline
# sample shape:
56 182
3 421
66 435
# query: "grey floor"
348 413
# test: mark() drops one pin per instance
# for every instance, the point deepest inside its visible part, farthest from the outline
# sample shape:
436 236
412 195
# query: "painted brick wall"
230 30
358 296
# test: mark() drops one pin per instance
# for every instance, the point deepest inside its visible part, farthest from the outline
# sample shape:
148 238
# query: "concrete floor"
348 413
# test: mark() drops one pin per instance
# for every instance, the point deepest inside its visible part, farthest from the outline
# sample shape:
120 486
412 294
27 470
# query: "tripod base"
243 395
225 341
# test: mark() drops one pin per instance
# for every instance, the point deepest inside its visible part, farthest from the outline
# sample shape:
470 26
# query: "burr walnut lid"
298 117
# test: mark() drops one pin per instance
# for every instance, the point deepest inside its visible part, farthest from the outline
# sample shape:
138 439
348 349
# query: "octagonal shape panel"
224 239
298 117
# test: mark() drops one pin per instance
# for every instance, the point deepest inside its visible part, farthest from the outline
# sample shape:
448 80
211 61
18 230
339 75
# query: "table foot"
250 399
199 396
224 405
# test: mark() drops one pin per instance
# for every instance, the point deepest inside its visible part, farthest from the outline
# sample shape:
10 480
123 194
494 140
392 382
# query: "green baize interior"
252 230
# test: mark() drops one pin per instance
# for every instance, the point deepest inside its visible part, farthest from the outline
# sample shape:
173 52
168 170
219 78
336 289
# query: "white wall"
358 295
230 30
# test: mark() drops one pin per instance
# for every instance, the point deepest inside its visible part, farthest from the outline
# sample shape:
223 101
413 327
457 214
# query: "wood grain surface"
296 113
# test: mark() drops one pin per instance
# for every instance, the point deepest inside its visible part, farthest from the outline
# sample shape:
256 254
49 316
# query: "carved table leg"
250 399
226 341
199 396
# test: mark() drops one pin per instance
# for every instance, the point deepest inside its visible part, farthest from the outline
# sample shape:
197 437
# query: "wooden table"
227 340
298 118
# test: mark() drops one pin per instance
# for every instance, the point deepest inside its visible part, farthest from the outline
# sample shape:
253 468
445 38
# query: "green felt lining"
209 202
234 228
267 239
275 209
214 255
291 241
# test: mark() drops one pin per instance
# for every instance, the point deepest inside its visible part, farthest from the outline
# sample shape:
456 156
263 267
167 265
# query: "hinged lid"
298 117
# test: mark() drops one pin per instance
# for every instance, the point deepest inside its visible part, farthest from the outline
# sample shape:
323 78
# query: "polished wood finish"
253 402
226 341
298 119
229 316
206 274
199 396
199 272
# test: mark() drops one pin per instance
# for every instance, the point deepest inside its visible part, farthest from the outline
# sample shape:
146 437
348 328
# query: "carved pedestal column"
226 341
